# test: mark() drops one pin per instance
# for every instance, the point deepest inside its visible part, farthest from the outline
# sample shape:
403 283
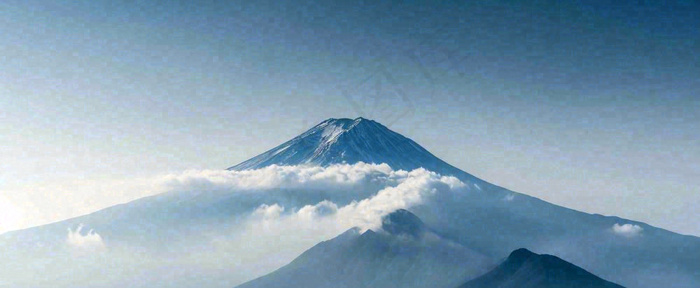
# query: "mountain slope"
404 253
173 239
336 141
495 220
524 269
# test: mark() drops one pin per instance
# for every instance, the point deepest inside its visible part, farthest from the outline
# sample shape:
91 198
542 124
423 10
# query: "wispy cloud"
90 241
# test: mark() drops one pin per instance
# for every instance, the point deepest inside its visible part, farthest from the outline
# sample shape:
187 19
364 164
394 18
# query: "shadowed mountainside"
524 269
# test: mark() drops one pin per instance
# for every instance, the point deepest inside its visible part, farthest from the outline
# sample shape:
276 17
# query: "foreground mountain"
524 269
197 236
404 253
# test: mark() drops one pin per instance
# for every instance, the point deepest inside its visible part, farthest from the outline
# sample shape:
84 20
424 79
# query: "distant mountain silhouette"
525 269
404 253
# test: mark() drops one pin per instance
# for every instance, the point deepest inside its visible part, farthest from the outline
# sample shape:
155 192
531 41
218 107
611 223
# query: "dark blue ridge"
525 269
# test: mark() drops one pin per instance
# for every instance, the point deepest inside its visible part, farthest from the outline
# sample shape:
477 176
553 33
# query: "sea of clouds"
266 234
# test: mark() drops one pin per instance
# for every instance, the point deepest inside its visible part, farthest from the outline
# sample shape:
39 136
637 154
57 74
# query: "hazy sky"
593 105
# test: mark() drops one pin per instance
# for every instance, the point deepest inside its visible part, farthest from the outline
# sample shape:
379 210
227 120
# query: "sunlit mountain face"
396 207
336 141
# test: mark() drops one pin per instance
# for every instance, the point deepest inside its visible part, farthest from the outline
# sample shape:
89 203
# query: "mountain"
336 141
202 236
495 220
403 253
524 269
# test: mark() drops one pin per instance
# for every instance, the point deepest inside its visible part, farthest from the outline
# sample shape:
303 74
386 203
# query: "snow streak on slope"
350 141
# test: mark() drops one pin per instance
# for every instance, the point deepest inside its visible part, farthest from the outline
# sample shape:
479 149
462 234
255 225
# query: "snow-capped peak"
344 140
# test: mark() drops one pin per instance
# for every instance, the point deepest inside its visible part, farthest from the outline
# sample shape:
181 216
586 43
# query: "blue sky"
588 104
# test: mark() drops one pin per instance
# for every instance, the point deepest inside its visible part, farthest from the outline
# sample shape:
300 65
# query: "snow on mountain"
196 234
335 141
495 220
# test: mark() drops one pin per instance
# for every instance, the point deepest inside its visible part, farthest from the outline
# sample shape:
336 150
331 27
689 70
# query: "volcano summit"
336 141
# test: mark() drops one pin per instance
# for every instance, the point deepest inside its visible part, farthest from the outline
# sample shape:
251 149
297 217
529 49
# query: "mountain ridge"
397 255
344 140
525 269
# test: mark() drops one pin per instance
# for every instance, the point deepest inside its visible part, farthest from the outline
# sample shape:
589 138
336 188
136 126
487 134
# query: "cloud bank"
248 226
272 234
283 177
402 190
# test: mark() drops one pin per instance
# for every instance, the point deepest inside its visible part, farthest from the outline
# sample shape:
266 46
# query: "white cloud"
266 231
627 230
411 190
394 189
323 208
341 178
308 177
91 240
266 243
509 197
269 212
